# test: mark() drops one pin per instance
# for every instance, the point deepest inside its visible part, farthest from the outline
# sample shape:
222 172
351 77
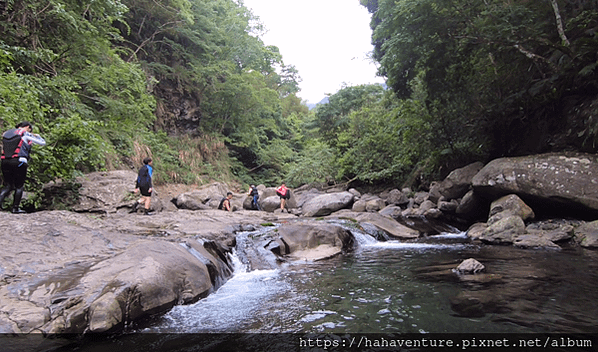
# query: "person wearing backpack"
16 147
284 193
225 202
253 192
144 186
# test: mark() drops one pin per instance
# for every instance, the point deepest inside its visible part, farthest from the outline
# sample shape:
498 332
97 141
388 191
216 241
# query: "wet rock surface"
81 272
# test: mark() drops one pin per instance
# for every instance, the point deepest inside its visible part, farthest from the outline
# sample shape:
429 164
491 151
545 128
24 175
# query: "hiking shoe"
18 211
134 207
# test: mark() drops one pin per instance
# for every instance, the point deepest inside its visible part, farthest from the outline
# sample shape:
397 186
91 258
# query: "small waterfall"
253 249
363 239
238 266
456 234
382 240
227 309
219 272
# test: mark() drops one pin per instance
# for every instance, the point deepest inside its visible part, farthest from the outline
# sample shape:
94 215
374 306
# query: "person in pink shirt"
284 193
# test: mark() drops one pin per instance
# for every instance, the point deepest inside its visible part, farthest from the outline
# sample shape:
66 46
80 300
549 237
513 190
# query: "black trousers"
14 174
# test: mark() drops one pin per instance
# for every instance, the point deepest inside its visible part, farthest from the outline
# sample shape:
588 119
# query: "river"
401 287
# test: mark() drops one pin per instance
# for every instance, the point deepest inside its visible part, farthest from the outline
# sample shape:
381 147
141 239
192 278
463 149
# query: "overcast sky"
328 41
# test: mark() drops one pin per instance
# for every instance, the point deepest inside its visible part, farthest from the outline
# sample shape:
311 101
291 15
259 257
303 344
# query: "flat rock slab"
62 271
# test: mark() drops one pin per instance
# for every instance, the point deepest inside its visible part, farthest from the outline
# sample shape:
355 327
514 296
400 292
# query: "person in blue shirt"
144 186
16 147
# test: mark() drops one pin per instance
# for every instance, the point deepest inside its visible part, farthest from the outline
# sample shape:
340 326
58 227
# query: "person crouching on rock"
16 146
284 193
225 202
144 185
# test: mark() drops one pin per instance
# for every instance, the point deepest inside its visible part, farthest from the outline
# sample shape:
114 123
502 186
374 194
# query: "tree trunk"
559 23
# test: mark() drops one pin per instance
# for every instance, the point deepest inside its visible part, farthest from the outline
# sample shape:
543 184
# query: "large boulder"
104 191
270 204
95 277
458 182
374 205
146 279
535 240
587 234
314 241
397 197
555 231
475 231
191 200
504 231
549 183
305 195
359 206
390 226
100 192
470 266
510 205
200 198
326 204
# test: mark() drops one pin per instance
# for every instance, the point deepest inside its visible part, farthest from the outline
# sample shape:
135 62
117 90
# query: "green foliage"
332 118
470 80
491 72
385 141
314 164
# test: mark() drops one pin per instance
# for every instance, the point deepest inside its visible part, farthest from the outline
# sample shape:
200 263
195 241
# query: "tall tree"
491 71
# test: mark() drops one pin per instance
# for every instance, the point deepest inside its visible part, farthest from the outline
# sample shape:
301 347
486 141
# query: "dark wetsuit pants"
14 173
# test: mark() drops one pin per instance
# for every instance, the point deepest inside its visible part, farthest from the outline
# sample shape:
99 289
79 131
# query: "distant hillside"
323 101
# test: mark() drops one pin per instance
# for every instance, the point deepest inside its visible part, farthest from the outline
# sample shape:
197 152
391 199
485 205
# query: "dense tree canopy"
190 82
494 73
91 77
471 80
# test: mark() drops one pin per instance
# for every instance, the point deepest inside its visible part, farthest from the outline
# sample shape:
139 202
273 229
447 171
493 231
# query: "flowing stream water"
393 286
403 287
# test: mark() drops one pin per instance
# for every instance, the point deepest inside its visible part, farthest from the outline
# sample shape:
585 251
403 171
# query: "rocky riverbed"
99 267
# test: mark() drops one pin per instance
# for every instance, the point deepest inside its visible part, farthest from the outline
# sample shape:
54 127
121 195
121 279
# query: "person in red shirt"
16 147
284 193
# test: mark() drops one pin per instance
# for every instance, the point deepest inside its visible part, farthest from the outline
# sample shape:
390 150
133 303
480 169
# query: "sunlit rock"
504 231
470 266
325 204
510 205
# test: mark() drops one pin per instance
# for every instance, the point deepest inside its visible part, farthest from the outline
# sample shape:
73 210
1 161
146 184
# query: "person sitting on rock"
225 202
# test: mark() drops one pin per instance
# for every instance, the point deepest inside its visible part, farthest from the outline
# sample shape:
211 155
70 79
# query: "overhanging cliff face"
563 184
177 111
